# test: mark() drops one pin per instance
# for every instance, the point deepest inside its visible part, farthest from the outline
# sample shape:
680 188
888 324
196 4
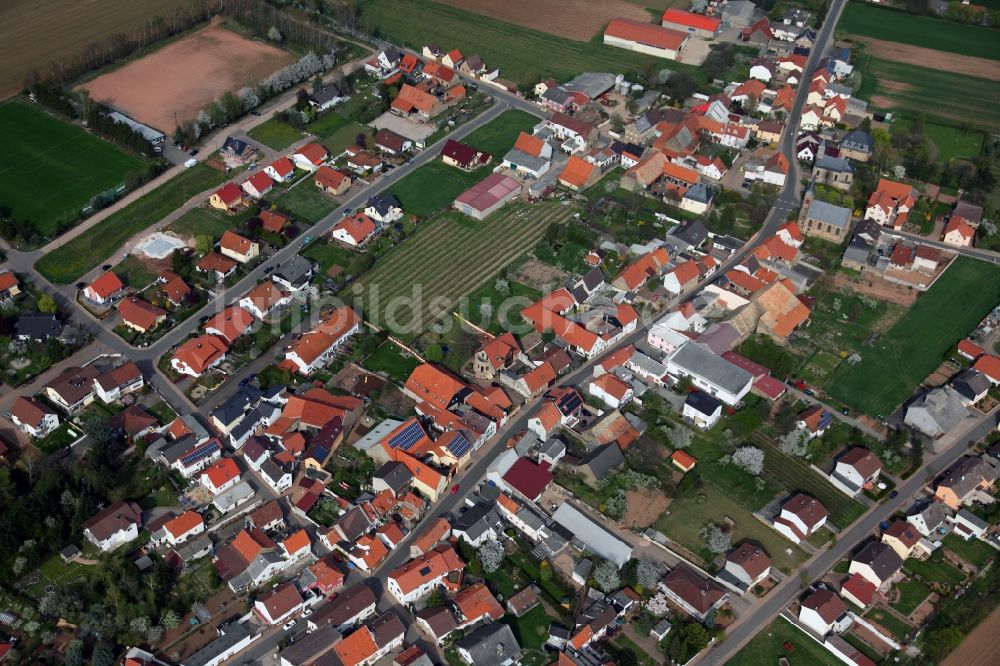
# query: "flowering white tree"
681 437
274 34
717 541
248 98
329 60
749 458
606 576
794 443
491 555
646 575
658 606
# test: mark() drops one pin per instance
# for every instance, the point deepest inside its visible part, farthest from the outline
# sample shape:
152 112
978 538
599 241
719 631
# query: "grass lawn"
51 169
935 572
916 344
626 652
951 142
973 551
687 515
795 474
388 358
204 220
327 255
71 260
306 203
911 594
957 98
497 137
532 628
275 134
162 411
59 438
434 186
890 622
335 131
420 280
499 314
522 54
54 571
924 31
165 495
134 273
768 647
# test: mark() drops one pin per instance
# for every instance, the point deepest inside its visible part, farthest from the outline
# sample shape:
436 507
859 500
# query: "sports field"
51 169
453 255
71 260
906 88
923 31
522 54
890 371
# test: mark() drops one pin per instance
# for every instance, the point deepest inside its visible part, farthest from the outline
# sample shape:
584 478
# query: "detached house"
858 469
33 417
332 181
355 230
960 482
824 612
800 516
315 347
748 564
263 299
104 290
902 537
118 382
139 315
310 156
258 185
890 203
114 526
384 208
280 170
227 198
697 596
239 248
462 156
221 476
531 156
217 266
198 355
878 562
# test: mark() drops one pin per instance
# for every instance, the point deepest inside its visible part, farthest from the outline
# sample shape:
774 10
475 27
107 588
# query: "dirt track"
575 19
184 76
947 62
980 647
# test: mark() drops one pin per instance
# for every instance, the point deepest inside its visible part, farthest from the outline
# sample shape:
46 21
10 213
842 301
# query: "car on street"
809 392
255 113
894 494
288 625
454 488
845 411
202 319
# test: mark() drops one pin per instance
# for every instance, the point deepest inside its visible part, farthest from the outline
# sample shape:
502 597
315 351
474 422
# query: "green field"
890 371
73 259
275 134
306 203
935 572
906 88
768 647
923 31
523 55
973 551
889 622
51 169
688 515
420 280
949 142
203 220
795 474
911 594
497 137
432 187
388 358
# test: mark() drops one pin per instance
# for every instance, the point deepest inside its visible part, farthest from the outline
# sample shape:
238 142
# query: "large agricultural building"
488 195
699 25
645 38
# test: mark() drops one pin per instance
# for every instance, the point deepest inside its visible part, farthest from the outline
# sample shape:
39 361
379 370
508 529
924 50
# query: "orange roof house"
139 315
104 288
578 174
530 144
227 197
476 602
989 365
781 311
223 474
331 180
421 574
230 324
699 24
970 349
683 461
238 247
354 230
214 263
199 354
635 274
435 385
958 232
187 523
310 156
273 222
412 99
280 169
311 349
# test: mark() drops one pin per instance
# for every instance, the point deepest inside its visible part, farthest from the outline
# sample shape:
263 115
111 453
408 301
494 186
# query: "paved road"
972 252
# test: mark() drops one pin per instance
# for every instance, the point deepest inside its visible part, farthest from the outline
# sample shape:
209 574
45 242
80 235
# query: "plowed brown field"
934 59
575 19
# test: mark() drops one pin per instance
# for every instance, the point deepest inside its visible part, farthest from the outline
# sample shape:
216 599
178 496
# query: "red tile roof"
184 523
140 313
200 352
106 285
222 471
235 243
231 323
860 588
683 460
433 384
283 167
970 349
229 194
260 181
329 178
690 19
645 33
313 152
438 562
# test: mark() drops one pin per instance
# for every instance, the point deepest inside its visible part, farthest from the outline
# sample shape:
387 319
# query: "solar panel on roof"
409 436
198 454
459 446
570 402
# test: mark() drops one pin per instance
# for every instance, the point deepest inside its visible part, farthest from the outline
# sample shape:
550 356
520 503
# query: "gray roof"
519 158
476 521
593 279
591 534
603 460
966 474
882 559
311 646
38 326
557 95
741 8
326 94
934 514
233 409
822 211
383 203
188 549
530 518
296 271
936 412
971 384
591 84
394 474
836 164
692 232
226 500
972 519
699 192
147 132
376 434
648 364
703 403
232 634
697 359
492 644
552 447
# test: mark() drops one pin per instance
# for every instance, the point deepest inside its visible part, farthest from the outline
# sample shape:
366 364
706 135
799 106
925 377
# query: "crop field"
905 88
70 261
794 474
35 32
179 79
890 371
575 19
522 54
497 137
420 281
922 31
51 169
